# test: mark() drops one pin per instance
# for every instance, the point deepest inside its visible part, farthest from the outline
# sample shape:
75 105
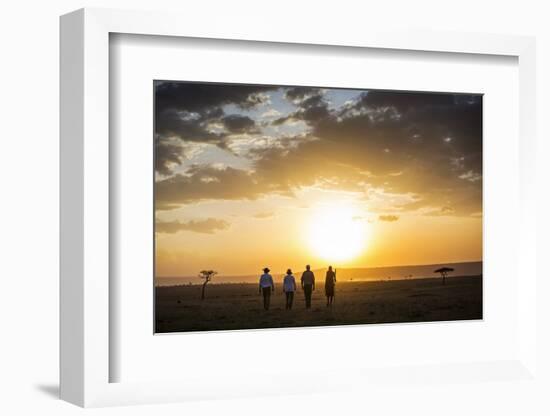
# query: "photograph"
284 206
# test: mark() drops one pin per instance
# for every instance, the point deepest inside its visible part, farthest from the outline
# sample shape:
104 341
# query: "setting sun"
337 233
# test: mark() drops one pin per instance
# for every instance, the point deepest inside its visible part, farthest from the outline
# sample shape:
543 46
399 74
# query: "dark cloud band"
425 144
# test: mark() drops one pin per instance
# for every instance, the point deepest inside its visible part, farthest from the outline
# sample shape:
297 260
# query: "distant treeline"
344 274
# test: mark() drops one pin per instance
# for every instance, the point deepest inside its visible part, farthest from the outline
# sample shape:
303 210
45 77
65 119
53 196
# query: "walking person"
308 285
289 287
330 283
266 287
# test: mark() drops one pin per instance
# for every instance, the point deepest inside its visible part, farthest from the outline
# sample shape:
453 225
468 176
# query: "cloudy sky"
248 176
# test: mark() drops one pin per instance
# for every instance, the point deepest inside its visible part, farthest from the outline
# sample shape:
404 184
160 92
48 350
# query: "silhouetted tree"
444 271
207 275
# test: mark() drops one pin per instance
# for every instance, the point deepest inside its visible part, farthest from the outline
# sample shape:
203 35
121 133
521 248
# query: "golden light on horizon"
337 233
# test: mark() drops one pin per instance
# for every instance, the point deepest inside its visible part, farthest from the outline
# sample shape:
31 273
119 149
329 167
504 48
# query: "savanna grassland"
239 306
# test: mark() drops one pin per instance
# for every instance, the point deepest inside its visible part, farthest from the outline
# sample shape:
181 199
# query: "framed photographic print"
231 196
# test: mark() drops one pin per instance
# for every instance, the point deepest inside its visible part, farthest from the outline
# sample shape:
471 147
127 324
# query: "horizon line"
356 267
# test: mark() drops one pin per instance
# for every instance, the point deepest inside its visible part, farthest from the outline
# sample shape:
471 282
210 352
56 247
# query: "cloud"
166 156
271 113
240 124
194 112
203 97
470 176
412 126
394 141
205 183
207 226
304 96
388 218
311 106
187 126
264 215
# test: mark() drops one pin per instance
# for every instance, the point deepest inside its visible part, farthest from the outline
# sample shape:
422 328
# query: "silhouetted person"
308 285
289 287
330 282
266 287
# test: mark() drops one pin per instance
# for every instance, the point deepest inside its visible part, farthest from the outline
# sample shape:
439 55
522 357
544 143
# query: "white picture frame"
85 213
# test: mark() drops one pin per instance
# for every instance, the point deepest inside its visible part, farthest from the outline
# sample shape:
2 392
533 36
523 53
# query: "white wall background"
29 116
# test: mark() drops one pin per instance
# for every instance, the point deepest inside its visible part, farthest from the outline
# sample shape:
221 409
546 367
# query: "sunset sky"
253 176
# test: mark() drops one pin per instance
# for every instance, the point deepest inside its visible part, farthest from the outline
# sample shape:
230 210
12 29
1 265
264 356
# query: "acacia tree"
206 275
444 271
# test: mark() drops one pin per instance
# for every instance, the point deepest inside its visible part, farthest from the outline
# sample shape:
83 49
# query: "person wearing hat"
266 287
289 287
308 285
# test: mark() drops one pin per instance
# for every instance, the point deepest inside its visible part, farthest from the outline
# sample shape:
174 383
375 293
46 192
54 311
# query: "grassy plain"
239 306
